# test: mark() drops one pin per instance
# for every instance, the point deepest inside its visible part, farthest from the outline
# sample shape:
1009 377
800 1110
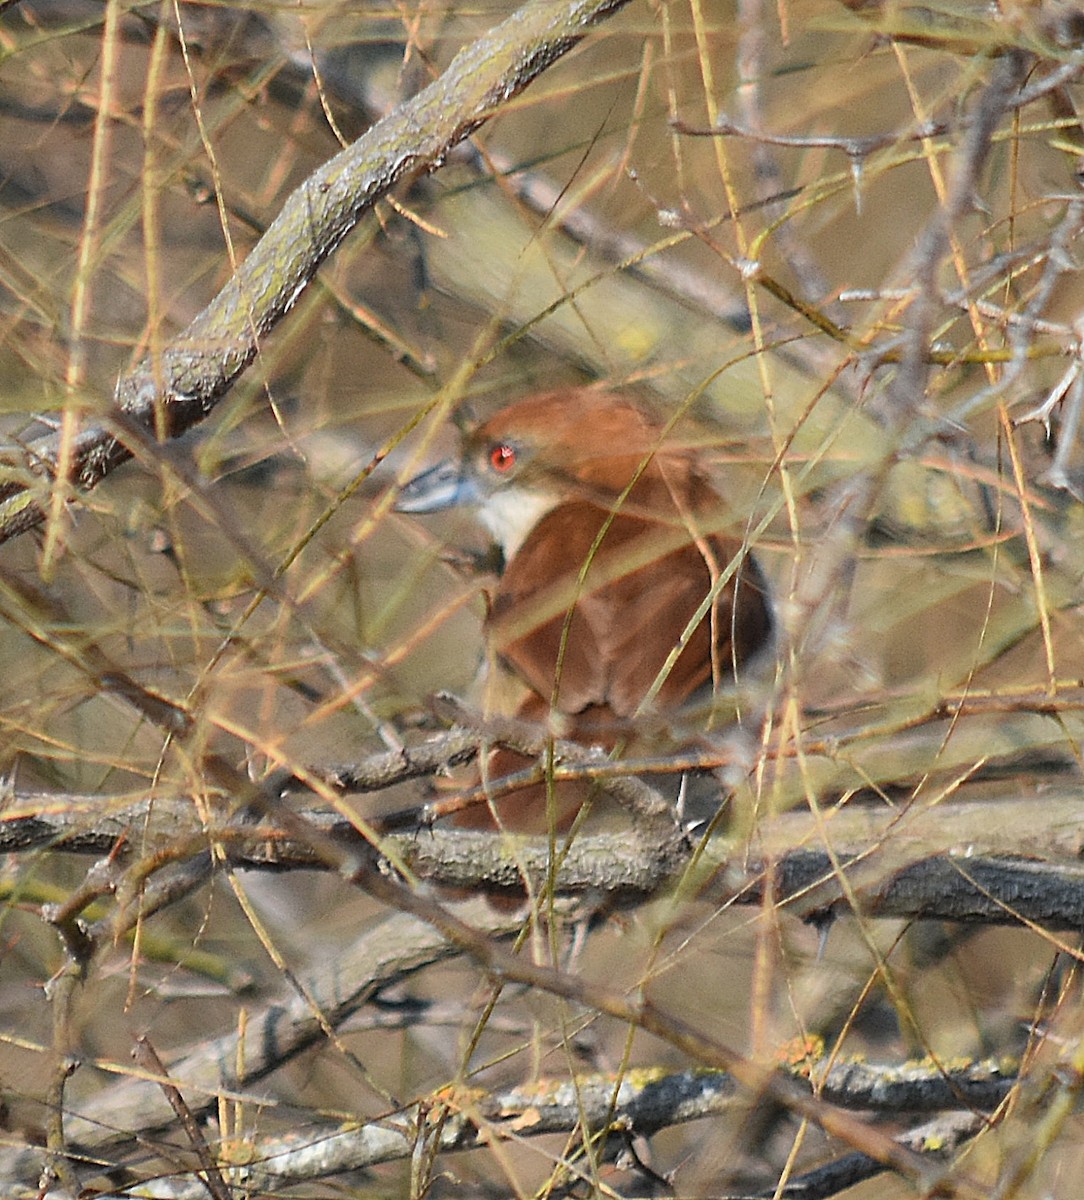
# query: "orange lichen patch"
801 1054
527 1119
458 1098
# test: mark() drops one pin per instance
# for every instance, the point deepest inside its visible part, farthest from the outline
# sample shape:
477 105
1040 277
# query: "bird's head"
538 452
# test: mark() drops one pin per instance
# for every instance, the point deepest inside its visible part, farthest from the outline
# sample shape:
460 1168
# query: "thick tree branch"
959 862
167 395
639 1104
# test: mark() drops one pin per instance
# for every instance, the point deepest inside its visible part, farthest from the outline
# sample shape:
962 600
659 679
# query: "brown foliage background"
863 292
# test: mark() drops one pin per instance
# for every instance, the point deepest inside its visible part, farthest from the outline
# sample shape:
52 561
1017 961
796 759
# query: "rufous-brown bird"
606 523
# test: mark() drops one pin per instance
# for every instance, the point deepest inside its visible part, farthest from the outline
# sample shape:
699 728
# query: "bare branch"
167 395
638 1104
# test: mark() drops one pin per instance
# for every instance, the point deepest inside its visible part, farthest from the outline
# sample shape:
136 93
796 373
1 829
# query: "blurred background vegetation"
925 540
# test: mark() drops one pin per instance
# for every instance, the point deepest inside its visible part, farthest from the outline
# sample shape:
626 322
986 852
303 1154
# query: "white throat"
510 513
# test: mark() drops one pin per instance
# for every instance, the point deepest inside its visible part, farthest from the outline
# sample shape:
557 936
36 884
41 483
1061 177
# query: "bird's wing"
644 585
654 606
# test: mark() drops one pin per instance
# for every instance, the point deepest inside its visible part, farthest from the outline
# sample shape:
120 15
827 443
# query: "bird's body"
619 601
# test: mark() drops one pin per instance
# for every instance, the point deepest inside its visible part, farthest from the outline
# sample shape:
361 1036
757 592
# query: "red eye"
502 457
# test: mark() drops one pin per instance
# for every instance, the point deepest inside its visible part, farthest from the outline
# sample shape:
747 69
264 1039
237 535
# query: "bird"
609 609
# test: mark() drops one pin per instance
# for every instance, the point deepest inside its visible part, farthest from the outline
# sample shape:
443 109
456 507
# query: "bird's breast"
510 514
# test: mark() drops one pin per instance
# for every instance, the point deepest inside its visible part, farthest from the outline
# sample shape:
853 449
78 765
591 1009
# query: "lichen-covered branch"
169 393
638 1104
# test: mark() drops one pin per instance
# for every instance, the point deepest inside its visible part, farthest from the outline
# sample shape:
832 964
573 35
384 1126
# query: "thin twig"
173 391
